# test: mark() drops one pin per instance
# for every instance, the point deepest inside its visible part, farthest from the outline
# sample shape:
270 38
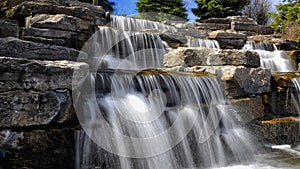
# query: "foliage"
164 8
258 10
106 4
3 7
287 19
218 8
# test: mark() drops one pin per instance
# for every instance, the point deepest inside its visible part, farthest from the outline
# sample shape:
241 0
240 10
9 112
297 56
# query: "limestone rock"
278 131
23 74
198 56
9 28
244 19
239 81
13 47
249 109
30 108
173 40
226 35
218 20
29 8
50 149
212 26
231 43
59 21
55 37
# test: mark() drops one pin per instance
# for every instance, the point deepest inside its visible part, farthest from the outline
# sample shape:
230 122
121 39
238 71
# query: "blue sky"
129 7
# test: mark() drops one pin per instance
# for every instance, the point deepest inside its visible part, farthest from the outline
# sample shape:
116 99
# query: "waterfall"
148 119
296 94
131 24
119 49
177 121
195 42
270 57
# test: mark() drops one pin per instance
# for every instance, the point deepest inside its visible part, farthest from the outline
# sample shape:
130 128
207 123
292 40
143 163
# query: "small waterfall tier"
154 119
270 57
118 49
132 24
192 42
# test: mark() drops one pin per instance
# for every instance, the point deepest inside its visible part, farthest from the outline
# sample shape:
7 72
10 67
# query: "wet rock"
281 44
54 148
23 74
13 47
278 131
173 40
59 21
9 28
31 108
249 109
231 43
198 56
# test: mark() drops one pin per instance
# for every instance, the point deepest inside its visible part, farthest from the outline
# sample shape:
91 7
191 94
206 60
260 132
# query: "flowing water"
183 121
194 42
154 119
270 57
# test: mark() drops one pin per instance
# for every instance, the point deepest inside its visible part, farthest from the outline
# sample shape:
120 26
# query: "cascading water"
270 57
152 119
126 50
183 122
131 24
192 42
296 94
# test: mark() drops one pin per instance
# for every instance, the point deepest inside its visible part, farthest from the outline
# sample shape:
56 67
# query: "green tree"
287 19
106 4
164 8
219 8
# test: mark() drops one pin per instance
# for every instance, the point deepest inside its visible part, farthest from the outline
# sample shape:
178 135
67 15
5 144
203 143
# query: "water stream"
159 120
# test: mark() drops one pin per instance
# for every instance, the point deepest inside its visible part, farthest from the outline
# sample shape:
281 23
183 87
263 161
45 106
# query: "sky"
128 7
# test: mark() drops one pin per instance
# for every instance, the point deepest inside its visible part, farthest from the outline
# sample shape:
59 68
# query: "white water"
131 24
118 49
296 94
170 109
271 58
202 43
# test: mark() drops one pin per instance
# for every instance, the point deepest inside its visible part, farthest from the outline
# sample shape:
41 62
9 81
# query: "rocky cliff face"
40 41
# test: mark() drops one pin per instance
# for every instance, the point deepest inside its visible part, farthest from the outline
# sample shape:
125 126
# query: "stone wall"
39 43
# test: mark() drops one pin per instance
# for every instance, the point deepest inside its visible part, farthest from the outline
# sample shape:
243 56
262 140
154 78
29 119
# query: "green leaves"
164 8
218 8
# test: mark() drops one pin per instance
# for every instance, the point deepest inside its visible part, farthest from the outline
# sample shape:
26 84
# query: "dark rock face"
36 93
13 47
9 28
47 149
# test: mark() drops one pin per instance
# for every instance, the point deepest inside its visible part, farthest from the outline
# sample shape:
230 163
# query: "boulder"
239 81
244 26
17 48
55 37
199 56
218 20
9 28
231 43
226 35
244 19
58 21
32 108
278 130
249 109
212 26
34 93
23 74
173 40
29 8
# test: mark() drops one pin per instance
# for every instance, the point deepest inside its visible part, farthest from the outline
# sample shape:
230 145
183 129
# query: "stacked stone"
39 44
